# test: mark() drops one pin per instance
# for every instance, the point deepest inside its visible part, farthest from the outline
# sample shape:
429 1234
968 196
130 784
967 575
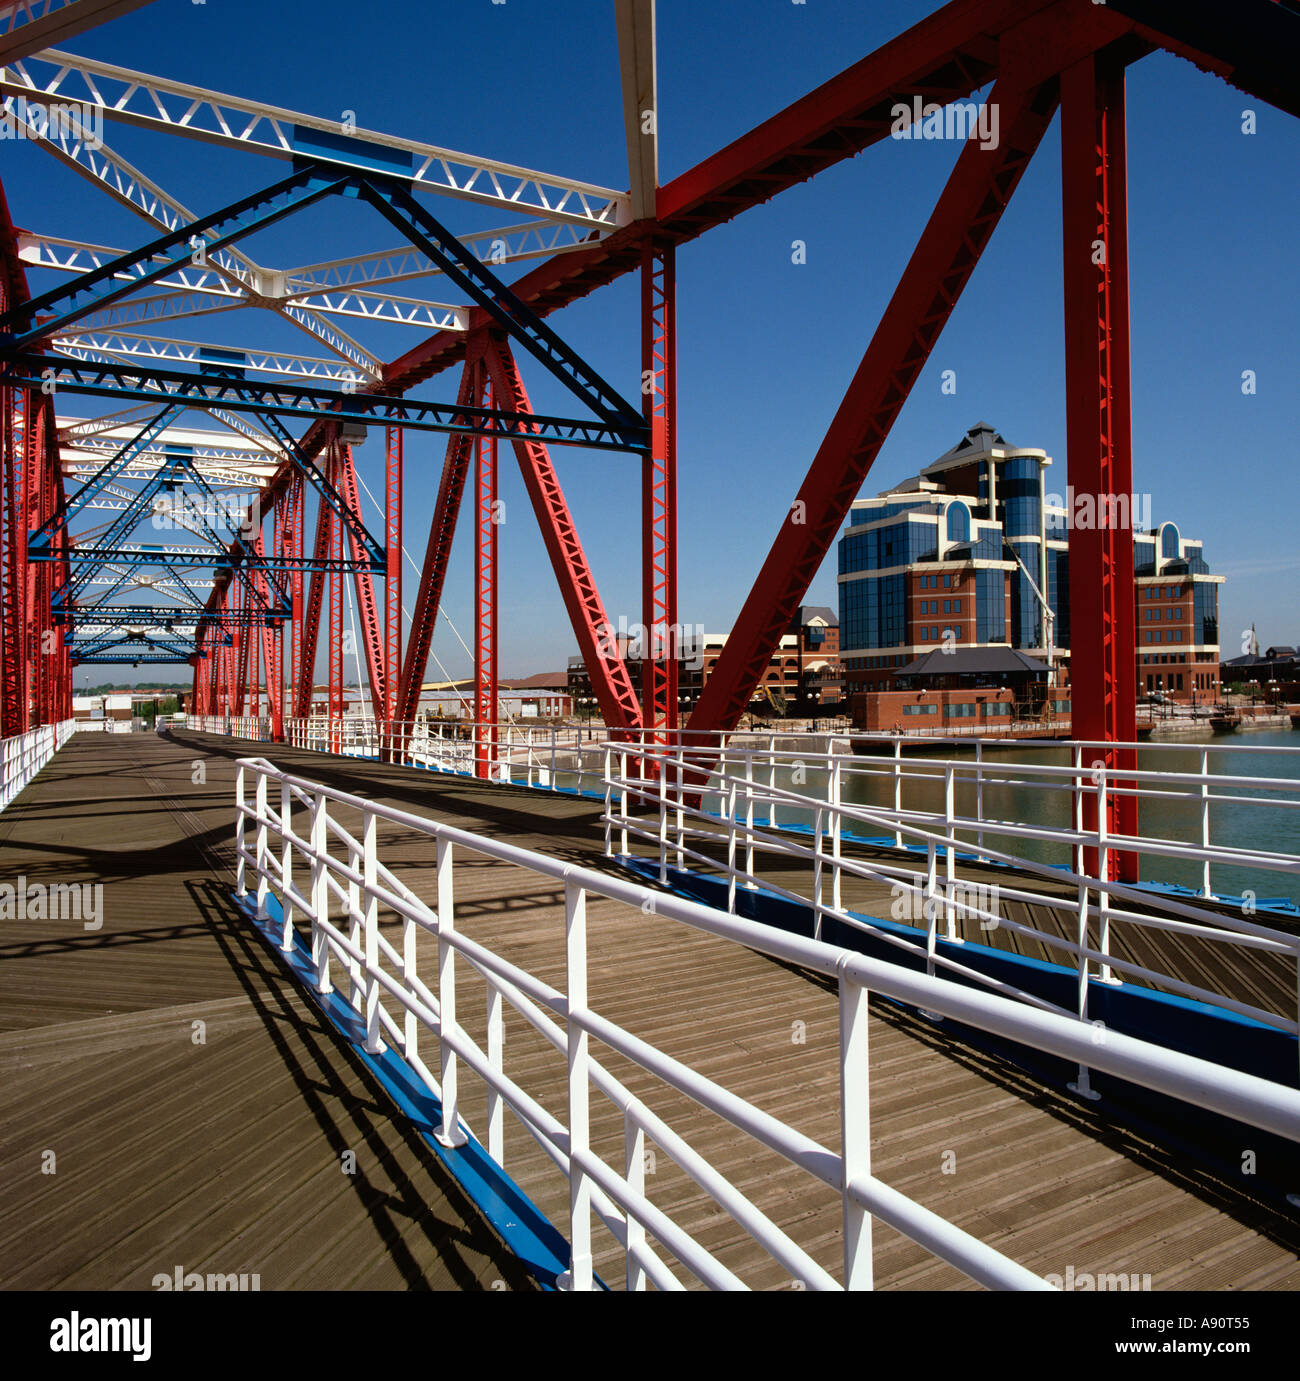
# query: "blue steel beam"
27 323
397 206
105 380
105 476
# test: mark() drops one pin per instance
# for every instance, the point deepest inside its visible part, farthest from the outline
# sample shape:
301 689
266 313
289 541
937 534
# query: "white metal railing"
256 728
730 825
292 843
996 789
23 755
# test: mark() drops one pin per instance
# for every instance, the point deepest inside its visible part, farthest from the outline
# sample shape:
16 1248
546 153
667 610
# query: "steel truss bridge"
263 524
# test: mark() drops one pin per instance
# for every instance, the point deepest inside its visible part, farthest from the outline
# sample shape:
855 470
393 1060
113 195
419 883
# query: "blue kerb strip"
520 1224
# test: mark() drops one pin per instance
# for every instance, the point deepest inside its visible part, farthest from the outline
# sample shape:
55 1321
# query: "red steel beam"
967 213
1099 438
661 651
442 530
309 635
334 652
372 636
393 575
610 681
485 601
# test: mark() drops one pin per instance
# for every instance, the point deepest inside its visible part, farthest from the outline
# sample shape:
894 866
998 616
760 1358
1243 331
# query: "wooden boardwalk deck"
226 1157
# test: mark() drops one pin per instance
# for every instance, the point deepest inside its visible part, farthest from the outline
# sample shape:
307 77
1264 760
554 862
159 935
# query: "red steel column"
363 582
437 554
392 579
1099 440
610 682
336 614
485 601
659 664
305 669
296 520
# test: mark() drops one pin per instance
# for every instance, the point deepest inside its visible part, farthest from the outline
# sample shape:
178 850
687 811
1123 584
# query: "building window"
947 582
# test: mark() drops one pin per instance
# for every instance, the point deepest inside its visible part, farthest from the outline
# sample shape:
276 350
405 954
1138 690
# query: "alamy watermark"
55 901
72 122
966 899
1086 512
677 642
1102 1280
957 120
187 512
181 1279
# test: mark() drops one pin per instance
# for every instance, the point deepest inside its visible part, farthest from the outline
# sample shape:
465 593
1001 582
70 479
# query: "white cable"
362 685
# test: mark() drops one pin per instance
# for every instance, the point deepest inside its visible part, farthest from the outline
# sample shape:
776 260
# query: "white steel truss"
88 344
136 98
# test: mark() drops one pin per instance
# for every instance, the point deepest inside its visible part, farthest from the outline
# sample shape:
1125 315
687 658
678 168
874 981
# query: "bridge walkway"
1015 1161
168 1098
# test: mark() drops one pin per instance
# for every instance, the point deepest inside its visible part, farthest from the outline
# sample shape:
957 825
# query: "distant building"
803 673
974 553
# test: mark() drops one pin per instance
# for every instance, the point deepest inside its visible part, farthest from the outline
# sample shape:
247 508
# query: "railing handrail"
1247 1098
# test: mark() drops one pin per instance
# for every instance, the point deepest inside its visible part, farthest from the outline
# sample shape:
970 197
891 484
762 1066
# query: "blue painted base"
520 1224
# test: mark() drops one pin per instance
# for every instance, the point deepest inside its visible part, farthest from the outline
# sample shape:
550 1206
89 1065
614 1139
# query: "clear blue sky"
766 346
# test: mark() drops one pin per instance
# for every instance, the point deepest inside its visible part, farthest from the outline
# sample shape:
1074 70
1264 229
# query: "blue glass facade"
1026 612
1020 492
990 607
894 544
1058 594
872 612
1205 613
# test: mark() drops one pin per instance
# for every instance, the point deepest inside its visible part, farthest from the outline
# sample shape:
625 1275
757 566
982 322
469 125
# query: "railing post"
1103 870
1078 806
286 867
262 847
634 1173
898 791
320 950
771 781
979 799
837 829
950 863
450 1133
930 906
817 874
371 874
663 822
622 793
1205 822
1082 1086
609 799
356 924
731 847
410 1023
681 811
579 1274
749 818
496 1038
855 1132
241 869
